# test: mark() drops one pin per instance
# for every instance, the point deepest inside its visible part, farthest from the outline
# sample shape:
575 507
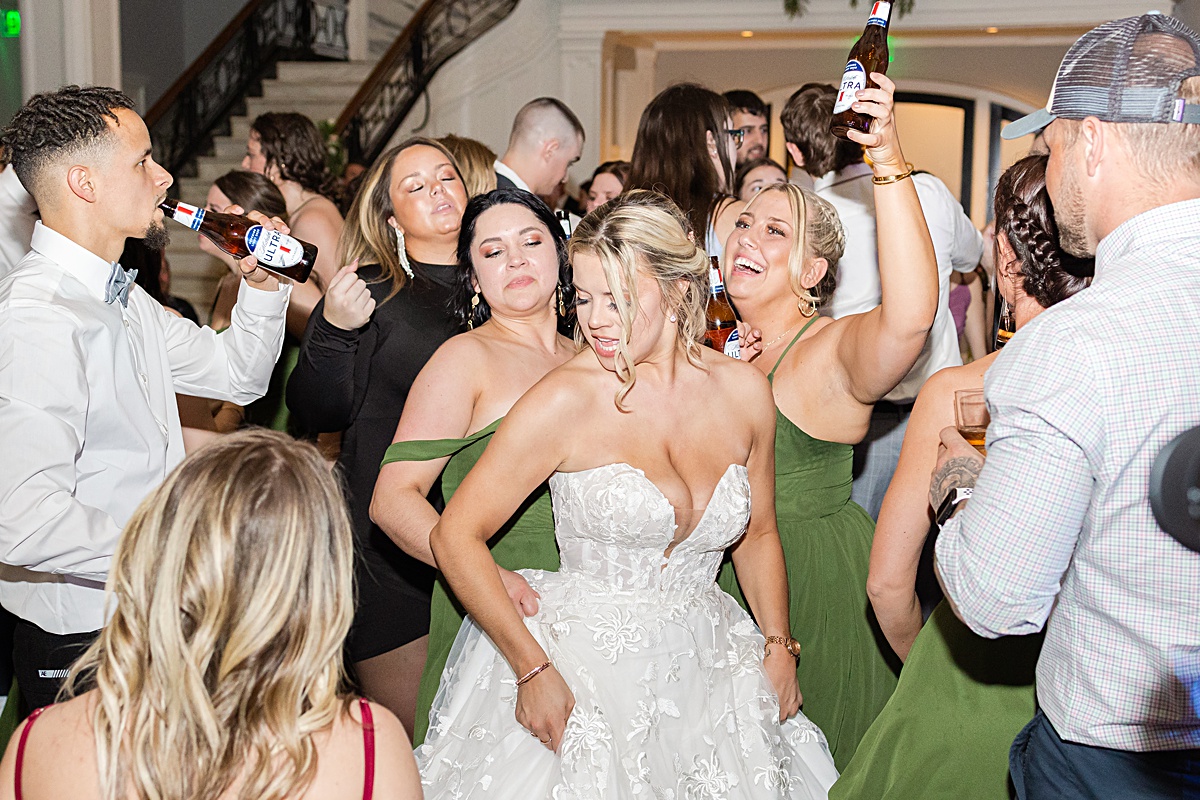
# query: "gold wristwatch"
790 644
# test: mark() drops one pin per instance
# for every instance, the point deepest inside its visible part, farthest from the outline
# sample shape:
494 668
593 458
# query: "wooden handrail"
389 60
164 103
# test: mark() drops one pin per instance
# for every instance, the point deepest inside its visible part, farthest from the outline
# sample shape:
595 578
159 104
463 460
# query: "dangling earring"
474 306
402 254
807 304
562 308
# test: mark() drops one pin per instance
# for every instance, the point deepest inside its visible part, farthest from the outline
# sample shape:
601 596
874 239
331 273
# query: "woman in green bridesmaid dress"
826 374
962 698
513 289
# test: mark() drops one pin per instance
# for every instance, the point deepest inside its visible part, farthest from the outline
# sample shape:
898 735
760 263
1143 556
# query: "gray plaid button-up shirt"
1059 532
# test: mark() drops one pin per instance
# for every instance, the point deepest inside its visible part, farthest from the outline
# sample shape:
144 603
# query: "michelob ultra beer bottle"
242 236
722 323
869 54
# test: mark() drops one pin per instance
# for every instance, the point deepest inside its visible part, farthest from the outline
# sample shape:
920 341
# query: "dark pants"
41 661
1044 767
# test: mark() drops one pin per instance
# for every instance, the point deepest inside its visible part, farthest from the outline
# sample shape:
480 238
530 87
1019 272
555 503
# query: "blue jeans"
1045 767
875 457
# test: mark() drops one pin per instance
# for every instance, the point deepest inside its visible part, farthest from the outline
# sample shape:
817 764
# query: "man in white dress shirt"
840 176
89 367
18 213
546 139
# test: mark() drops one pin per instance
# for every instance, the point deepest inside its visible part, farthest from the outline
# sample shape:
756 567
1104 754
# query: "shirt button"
125 322
142 376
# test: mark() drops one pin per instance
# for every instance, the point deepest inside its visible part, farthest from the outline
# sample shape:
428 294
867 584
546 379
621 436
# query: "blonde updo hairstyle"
234 592
819 235
643 231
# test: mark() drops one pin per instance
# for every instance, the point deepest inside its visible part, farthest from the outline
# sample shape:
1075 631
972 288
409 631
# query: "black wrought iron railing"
265 32
437 31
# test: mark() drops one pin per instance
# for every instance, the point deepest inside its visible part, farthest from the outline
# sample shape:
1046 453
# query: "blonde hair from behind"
477 162
819 234
234 591
367 235
644 231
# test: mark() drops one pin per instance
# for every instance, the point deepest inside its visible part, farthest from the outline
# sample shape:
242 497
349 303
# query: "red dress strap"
368 723
37 712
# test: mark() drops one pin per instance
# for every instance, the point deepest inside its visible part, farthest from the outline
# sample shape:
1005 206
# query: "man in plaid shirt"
1059 532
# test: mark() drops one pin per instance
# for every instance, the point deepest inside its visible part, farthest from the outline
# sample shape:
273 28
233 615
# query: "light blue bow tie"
120 281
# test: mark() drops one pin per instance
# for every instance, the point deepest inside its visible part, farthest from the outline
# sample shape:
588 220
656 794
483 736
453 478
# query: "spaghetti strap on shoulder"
368 725
786 350
21 750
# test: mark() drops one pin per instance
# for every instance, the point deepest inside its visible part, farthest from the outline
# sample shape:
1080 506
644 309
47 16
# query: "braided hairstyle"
1023 213
54 124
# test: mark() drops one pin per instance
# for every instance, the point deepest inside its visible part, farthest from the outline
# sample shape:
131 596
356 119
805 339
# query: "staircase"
317 89
303 43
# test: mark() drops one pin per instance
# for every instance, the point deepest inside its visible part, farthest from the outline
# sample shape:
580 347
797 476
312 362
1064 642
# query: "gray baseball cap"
1127 70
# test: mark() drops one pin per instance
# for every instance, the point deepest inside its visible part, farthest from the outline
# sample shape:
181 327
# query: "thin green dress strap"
786 350
429 449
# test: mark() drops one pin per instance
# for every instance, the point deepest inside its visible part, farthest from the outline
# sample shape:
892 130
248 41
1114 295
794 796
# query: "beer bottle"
564 222
242 236
722 324
869 54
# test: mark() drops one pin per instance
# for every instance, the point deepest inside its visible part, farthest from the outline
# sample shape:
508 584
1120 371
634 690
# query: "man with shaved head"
546 139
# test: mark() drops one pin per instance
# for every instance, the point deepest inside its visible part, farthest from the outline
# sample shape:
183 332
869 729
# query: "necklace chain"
777 338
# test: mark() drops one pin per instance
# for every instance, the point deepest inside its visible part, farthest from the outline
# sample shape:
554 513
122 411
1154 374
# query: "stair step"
229 148
323 71
304 93
209 168
193 191
318 111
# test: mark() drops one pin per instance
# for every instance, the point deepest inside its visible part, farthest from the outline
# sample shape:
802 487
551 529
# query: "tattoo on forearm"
955 473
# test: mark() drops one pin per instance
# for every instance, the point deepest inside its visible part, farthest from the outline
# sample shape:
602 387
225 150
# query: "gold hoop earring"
807 304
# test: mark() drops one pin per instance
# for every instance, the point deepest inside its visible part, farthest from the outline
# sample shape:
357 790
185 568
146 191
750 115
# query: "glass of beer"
971 417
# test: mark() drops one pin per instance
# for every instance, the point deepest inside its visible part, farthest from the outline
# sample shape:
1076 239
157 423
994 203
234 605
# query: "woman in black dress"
366 341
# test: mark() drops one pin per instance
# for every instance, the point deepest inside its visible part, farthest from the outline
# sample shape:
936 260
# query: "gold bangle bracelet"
533 673
885 180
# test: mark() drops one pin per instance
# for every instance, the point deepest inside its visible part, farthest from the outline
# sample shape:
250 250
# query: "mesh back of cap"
1127 70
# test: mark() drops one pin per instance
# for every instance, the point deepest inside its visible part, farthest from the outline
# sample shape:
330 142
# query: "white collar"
841 176
88 268
507 171
13 187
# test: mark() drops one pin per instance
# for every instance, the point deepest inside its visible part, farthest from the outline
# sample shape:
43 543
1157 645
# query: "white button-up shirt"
88 418
1060 526
956 244
18 213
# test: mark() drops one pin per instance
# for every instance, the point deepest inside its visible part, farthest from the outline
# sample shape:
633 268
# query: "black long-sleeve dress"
357 382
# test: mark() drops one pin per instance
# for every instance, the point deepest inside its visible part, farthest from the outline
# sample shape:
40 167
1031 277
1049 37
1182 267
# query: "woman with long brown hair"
685 148
382 318
220 672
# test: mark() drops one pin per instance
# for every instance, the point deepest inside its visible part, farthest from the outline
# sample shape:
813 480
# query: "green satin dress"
946 732
845 671
525 542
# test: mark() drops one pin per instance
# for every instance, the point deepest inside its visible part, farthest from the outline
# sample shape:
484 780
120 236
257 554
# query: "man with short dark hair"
1059 532
546 139
752 117
840 176
89 367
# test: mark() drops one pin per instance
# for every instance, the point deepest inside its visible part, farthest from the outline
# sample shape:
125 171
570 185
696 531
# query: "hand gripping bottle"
869 54
242 236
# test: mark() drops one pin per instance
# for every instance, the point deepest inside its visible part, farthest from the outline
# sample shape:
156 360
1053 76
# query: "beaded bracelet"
533 673
884 180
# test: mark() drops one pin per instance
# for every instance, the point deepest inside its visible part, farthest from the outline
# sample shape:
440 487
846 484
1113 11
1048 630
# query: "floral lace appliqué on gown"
671 700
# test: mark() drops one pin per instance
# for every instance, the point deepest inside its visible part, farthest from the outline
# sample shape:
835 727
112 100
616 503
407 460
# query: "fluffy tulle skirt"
671 702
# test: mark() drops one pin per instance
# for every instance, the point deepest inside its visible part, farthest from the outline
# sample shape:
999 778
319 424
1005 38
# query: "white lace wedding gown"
671 700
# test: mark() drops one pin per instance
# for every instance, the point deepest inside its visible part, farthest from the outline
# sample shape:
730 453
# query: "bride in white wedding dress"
637 677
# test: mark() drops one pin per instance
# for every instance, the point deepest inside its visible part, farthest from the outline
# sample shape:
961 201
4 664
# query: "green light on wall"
10 24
